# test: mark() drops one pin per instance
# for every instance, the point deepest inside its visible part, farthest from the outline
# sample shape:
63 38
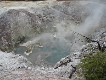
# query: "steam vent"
53 40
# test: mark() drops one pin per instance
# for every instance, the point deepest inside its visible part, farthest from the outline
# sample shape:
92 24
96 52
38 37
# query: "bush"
94 66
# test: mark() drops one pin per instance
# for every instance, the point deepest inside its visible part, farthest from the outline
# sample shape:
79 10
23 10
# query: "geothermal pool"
48 52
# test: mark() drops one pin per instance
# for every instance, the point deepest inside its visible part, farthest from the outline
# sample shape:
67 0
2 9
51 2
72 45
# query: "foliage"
94 66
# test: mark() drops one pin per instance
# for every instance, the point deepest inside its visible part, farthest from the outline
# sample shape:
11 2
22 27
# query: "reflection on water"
48 51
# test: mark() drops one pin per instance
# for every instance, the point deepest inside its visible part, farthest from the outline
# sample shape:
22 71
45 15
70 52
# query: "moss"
94 66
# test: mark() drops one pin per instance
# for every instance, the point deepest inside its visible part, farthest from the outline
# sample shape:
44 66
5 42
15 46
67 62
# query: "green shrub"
94 66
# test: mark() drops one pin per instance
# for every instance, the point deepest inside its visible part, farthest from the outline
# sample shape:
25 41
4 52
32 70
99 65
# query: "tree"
94 66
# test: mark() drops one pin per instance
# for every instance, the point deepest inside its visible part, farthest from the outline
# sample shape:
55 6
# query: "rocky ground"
17 67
